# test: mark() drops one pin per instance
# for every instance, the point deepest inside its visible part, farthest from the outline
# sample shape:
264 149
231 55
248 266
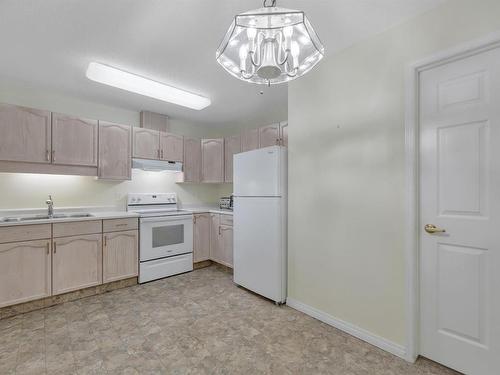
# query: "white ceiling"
50 43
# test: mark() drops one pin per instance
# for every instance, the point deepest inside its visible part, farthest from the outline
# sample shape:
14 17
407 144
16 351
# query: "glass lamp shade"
270 45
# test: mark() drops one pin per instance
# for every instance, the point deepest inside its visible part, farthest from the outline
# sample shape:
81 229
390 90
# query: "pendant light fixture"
270 45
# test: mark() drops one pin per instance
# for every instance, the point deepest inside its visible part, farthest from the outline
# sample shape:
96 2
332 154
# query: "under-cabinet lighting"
127 81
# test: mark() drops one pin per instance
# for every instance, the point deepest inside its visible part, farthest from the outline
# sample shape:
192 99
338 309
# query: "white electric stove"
166 235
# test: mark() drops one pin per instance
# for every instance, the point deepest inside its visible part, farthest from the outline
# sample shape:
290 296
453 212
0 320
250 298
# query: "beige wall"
346 168
31 190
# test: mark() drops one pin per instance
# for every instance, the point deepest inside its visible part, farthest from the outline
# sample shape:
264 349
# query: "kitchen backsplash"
20 190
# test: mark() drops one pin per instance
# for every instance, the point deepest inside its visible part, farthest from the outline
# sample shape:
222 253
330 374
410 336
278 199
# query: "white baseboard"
360 333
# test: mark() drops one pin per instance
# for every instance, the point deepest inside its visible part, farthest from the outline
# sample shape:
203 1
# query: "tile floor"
196 323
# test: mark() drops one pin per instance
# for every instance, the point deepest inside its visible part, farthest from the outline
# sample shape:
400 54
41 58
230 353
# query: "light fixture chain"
273 4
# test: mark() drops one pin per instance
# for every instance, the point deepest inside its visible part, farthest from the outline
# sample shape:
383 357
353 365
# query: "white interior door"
460 193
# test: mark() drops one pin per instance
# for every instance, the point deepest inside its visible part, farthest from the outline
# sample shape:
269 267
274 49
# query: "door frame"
412 189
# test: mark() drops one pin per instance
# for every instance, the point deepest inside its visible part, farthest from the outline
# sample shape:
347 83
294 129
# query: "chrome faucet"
50 204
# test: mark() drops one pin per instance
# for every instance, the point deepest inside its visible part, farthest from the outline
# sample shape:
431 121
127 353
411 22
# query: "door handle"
431 228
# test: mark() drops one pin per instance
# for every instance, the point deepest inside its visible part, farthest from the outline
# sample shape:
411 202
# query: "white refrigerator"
260 221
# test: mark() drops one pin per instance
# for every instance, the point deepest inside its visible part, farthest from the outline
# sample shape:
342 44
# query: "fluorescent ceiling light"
143 86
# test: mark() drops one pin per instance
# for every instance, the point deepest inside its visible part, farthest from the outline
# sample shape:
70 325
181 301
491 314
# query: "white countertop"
210 209
96 215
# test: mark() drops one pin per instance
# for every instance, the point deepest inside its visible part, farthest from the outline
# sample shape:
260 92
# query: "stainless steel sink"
44 217
37 217
80 215
9 219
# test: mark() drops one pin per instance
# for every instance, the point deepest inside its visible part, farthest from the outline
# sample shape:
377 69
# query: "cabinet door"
201 237
74 141
212 160
216 250
284 133
25 271
146 143
172 147
192 160
232 145
25 134
249 139
155 121
115 151
226 241
76 263
269 135
120 255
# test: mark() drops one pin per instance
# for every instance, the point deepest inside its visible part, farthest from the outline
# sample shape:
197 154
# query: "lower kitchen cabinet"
25 271
76 263
201 241
226 244
221 240
120 255
215 253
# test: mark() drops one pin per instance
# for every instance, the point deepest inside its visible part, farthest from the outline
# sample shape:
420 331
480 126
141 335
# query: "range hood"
156 165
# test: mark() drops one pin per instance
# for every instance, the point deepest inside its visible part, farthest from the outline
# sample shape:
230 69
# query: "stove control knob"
138 199
132 200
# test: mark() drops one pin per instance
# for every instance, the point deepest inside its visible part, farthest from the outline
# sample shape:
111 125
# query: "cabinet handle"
55 247
48 247
158 153
162 154
219 230
53 155
47 155
194 219
105 240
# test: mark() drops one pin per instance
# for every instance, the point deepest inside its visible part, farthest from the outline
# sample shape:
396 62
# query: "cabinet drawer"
226 219
115 225
76 228
24 233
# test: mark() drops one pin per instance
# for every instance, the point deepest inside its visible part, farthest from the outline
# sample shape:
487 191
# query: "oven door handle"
167 219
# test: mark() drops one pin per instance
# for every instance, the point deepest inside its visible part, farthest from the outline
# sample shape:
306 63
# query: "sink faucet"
50 204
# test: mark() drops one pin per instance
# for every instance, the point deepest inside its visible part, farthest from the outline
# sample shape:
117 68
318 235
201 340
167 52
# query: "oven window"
168 235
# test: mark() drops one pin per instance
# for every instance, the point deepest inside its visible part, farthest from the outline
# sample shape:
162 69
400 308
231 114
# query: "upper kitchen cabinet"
74 141
232 145
212 160
146 143
249 139
115 151
154 121
25 134
171 147
192 160
284 133
269 135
